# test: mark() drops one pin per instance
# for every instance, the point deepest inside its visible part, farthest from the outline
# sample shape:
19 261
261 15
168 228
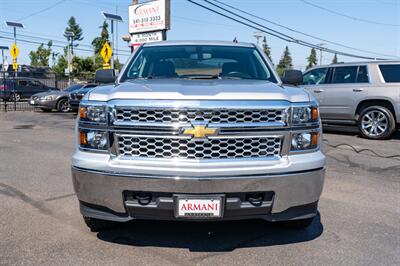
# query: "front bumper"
103 194
43 103
74 104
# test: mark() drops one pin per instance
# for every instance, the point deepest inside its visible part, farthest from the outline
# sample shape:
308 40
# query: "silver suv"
366 94
198 131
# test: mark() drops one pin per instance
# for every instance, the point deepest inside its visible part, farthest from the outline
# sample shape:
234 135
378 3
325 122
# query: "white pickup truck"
198 131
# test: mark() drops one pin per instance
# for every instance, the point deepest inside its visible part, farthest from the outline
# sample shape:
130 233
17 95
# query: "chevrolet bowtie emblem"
200 132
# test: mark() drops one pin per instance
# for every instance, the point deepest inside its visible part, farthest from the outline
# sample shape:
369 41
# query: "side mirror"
292 77
104 76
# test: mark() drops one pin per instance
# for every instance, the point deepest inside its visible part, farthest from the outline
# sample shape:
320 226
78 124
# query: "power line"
275 33
348 16
54 45
300 32
59 41
42 10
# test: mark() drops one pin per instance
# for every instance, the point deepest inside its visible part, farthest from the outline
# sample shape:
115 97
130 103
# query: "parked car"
366 94
54 99
200 131
76 96
24 88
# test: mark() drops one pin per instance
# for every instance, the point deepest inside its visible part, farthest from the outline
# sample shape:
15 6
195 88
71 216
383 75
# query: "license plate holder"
199 206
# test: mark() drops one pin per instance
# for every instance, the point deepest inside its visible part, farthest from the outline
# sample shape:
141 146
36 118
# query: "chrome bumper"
106 189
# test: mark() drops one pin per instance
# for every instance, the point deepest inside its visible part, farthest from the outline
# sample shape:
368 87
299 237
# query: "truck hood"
184 89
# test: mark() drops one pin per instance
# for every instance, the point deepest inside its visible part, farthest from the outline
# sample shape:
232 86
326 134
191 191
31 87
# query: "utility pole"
69 35
258 36
320 52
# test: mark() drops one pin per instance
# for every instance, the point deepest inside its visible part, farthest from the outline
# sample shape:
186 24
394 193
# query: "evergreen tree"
285 63
266 48
98 42
335 59
41 56
312 59
76 29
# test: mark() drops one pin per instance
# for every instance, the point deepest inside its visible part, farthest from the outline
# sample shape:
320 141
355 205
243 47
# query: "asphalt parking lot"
40 223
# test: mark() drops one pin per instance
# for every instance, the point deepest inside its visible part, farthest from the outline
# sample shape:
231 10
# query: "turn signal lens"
314 139
82 112
314 114
83 138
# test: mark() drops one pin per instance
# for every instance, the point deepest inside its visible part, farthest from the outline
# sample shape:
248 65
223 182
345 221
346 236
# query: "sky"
372 25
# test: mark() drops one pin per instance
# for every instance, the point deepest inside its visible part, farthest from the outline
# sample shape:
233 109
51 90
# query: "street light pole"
15 25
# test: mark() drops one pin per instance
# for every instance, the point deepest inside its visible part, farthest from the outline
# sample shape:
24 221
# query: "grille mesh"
153 147
210 116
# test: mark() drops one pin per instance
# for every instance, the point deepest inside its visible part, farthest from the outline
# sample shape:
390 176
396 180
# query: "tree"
285 63
98 42
76 29
41 56
312 59
266 48
335 59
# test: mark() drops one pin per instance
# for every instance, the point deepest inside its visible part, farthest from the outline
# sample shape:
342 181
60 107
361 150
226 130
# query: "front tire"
376 122
63 106
96 225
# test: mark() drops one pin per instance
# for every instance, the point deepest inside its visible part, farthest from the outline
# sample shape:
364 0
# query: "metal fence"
8 104
16 106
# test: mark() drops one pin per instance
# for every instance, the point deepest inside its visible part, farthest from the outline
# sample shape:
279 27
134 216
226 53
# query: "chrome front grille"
191 148
126 114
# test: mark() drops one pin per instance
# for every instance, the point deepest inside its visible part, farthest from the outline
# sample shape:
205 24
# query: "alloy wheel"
374 123
64 106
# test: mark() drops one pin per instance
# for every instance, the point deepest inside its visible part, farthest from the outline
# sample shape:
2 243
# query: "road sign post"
14 51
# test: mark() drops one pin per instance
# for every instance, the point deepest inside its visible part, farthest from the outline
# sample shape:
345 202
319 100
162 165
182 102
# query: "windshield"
74 87
198 62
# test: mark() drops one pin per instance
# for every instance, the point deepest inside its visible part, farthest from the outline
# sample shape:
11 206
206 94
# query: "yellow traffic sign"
106 66
106 52
14 51
15 66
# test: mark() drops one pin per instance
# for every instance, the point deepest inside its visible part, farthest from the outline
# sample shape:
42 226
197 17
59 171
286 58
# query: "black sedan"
76 96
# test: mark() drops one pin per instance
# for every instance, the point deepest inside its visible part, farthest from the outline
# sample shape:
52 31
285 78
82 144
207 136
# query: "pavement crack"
60 197
372 169
16 193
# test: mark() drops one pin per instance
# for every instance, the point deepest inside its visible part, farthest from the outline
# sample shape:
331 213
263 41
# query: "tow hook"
144 199
256 199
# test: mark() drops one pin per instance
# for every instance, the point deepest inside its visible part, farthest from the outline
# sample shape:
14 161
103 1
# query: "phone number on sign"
148 19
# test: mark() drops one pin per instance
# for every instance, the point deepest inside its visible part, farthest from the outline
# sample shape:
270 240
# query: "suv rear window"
390 73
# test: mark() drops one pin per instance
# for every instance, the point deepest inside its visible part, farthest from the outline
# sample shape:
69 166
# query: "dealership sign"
149 16
145 37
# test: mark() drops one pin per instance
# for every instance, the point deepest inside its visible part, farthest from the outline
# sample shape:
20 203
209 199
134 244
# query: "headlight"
93 113
93 139
47 98
304 114
304 141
